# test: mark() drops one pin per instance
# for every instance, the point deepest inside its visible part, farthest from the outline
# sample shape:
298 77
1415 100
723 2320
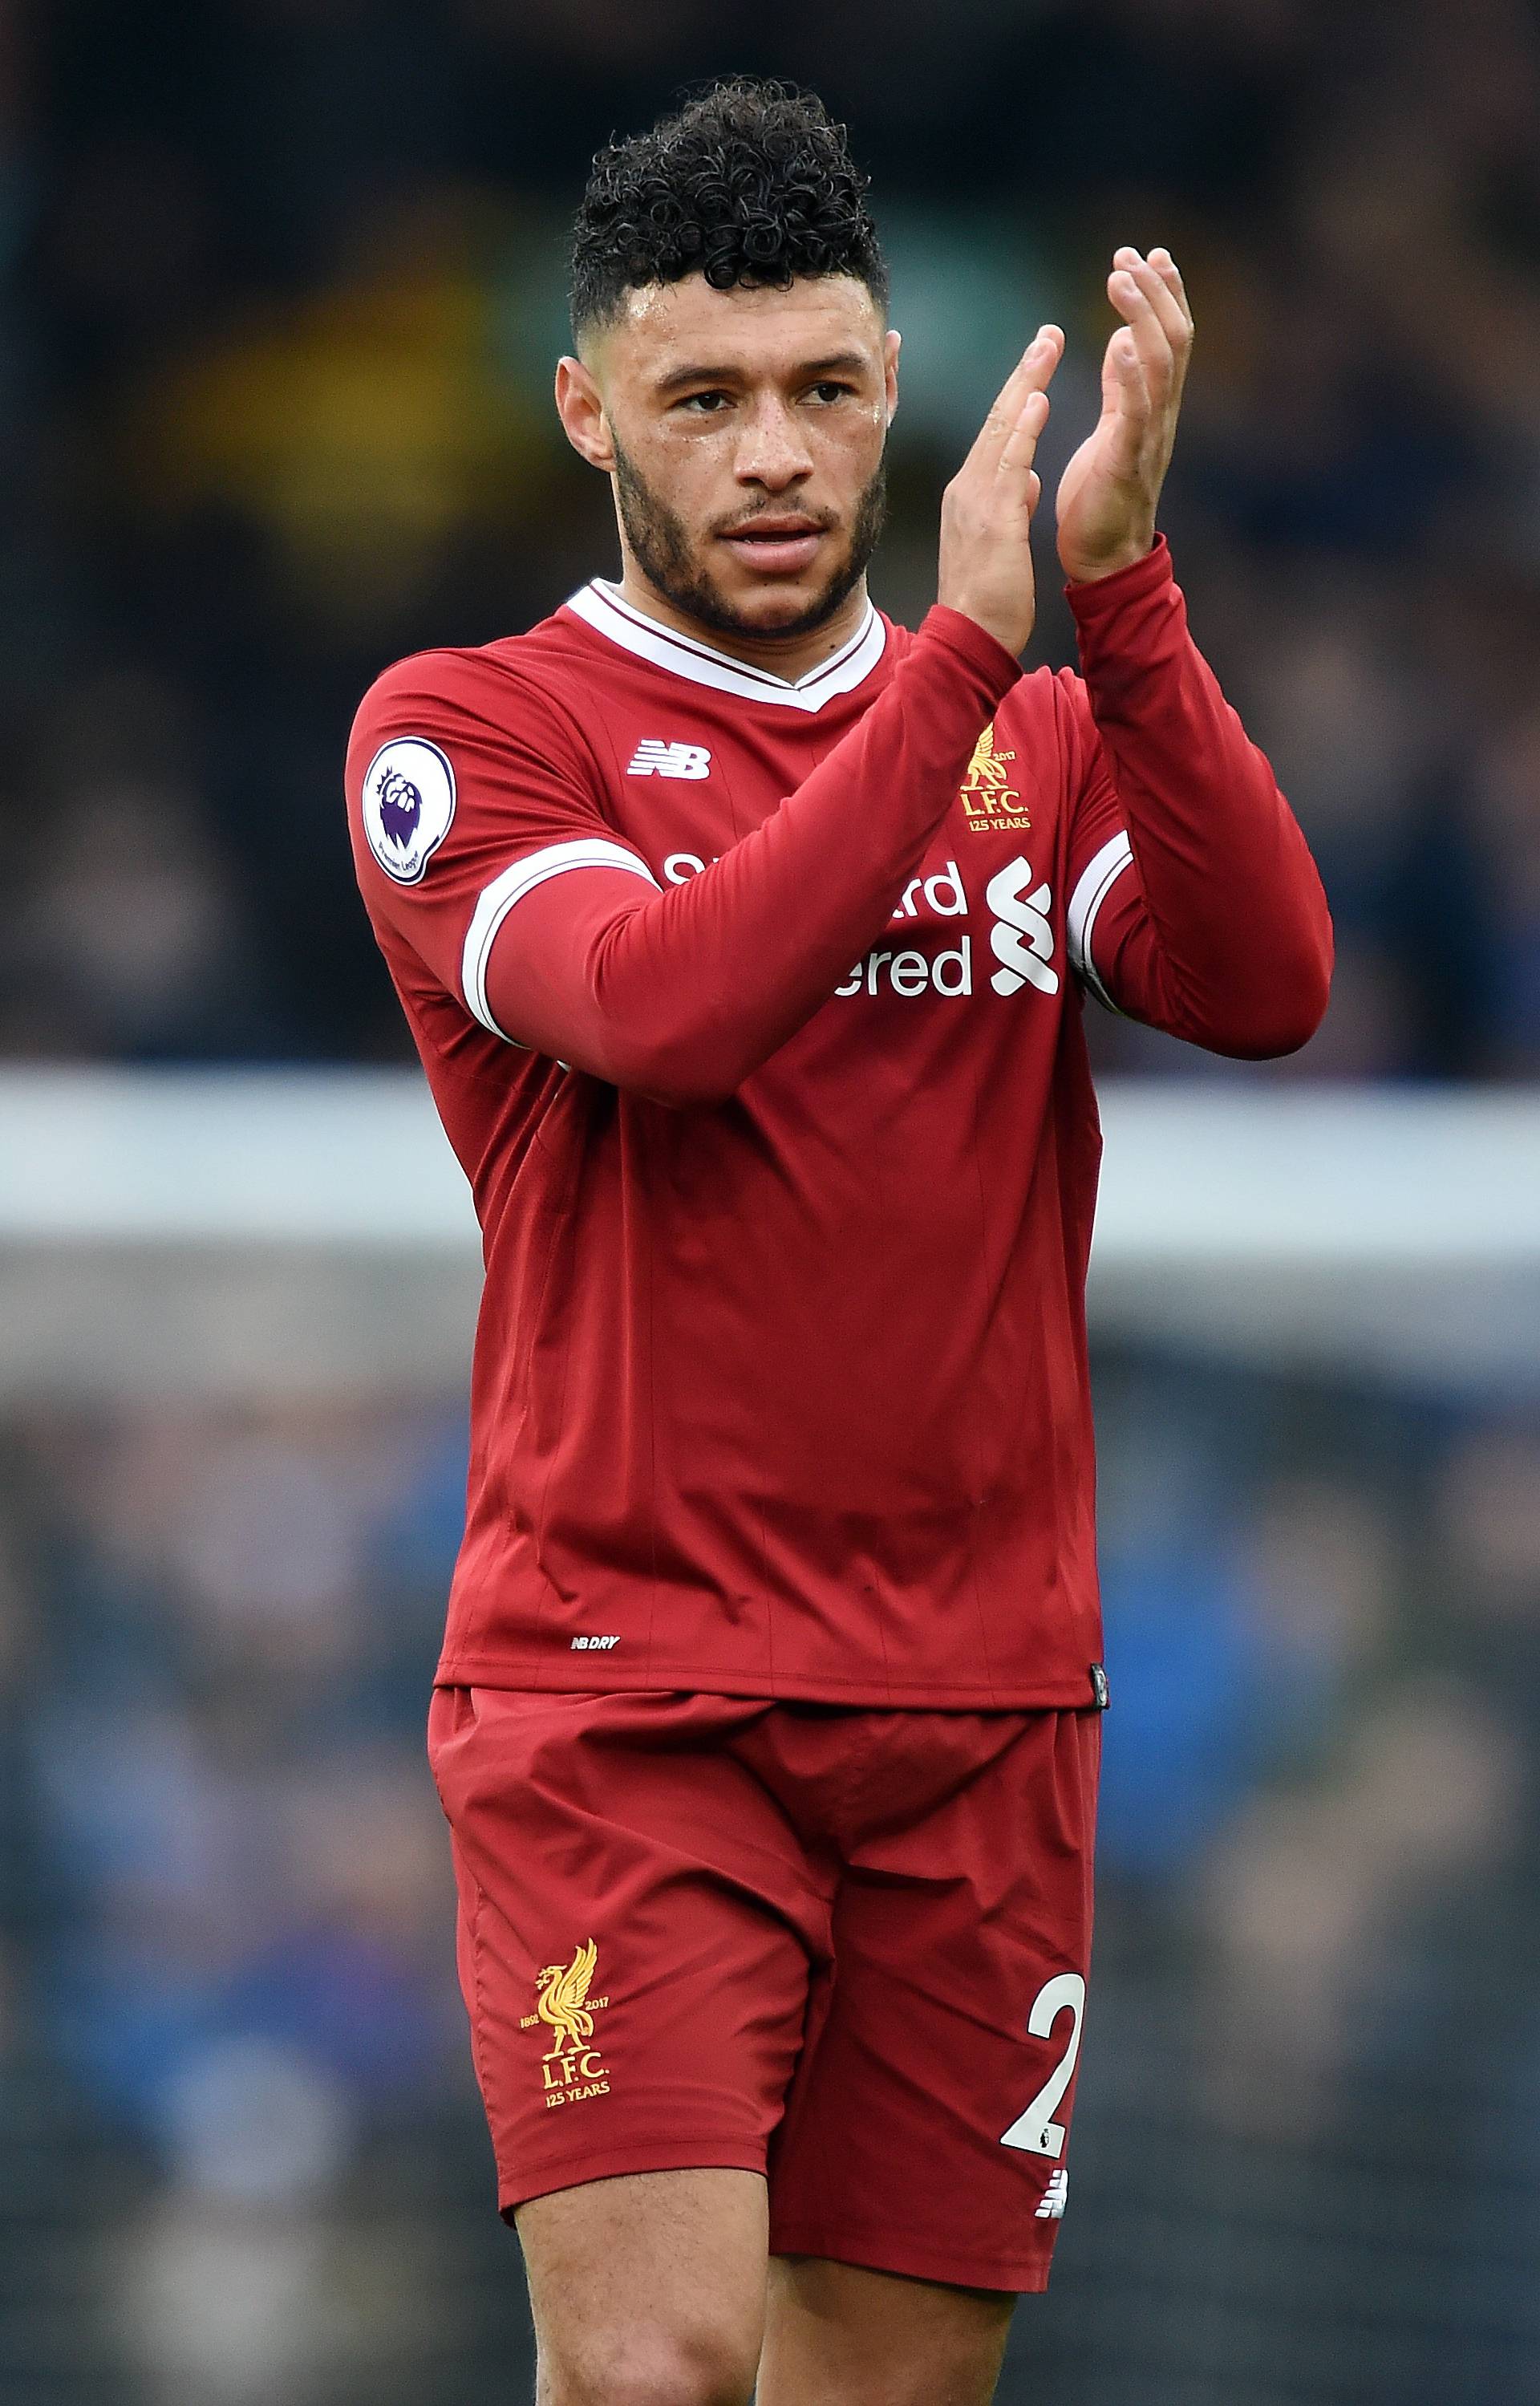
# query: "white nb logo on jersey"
1022 939
1054 2195
654 758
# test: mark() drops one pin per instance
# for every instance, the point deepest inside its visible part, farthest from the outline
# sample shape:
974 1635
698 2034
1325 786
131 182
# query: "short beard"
660 545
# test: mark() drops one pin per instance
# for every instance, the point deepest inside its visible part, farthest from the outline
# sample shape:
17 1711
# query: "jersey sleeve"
466 790
1194 902
464 830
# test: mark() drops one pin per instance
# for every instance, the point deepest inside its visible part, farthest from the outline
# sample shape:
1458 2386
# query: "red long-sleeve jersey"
753 1012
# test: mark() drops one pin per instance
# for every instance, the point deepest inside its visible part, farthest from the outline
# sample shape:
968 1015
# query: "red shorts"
844 1948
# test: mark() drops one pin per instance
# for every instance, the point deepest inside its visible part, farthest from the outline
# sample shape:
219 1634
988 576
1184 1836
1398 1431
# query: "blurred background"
284 290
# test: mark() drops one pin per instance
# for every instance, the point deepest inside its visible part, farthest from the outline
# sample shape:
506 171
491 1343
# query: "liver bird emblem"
987 767
563 1994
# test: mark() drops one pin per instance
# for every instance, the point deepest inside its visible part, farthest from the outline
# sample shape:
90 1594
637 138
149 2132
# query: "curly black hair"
752 183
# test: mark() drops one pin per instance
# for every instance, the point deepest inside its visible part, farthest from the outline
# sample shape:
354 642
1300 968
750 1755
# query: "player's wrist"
1113 563
987 654
1101 596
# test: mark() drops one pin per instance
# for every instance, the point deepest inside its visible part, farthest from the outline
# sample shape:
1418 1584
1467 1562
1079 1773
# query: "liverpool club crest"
571 2067
989 799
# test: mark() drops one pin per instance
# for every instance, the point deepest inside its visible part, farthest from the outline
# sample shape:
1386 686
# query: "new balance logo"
1052 2208
594 1645
652 758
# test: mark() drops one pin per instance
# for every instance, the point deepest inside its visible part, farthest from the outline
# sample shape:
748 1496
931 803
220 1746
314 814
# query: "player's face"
745 433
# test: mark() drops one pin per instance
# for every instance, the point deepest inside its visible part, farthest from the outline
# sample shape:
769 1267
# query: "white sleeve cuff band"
1097 882
495 901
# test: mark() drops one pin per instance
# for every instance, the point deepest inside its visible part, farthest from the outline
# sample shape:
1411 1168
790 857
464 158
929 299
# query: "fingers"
1148 293
1019 447
1047 348
1170 275
1151 342
1125 401
1157 279
1027 380
1125 368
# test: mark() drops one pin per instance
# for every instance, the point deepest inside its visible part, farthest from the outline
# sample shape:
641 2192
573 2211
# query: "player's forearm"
682 994
1234 948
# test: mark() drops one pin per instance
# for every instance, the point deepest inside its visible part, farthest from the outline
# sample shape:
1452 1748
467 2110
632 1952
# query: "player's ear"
891 345
580 406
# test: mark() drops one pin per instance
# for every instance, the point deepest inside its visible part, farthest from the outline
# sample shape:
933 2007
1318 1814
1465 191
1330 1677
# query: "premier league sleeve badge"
408 805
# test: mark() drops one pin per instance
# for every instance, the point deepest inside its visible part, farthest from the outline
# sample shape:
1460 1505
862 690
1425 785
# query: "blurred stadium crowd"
287 282
237 2062
286 285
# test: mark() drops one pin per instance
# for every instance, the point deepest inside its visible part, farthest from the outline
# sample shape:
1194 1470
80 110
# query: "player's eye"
704 405
828 390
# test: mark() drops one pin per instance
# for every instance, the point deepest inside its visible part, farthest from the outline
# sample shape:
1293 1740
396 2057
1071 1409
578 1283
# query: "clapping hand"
986 511
1109 491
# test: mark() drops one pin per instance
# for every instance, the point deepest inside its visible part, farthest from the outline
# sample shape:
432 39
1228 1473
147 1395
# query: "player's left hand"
1108 493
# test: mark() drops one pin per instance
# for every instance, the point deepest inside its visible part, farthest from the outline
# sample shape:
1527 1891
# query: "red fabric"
780 1384
811 1953
1223 936
683 996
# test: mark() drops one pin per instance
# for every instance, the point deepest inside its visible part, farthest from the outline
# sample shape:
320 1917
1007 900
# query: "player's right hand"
987 510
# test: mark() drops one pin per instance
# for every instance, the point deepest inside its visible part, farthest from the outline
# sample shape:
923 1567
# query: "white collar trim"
600 607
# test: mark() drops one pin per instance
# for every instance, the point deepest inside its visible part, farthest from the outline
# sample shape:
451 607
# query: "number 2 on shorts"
1035 2131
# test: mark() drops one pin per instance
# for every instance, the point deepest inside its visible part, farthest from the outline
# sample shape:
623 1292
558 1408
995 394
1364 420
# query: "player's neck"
788 656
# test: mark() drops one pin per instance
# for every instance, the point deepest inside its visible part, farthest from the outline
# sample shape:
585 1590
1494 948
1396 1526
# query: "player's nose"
773 452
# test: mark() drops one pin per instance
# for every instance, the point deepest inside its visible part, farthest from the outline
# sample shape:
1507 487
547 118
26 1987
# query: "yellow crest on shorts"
571 2067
